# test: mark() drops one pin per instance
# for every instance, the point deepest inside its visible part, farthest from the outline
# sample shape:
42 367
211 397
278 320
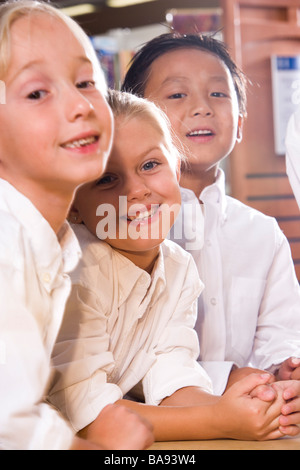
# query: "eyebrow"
33 63
140 156
173 79
216 78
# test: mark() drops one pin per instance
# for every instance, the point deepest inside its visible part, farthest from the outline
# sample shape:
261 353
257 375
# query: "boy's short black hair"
139 67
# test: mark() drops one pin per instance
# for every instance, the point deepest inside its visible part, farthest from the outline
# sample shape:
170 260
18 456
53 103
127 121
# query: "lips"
82 142
142 214
200 133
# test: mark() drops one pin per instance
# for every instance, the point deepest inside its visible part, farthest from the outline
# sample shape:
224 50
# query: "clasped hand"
285 386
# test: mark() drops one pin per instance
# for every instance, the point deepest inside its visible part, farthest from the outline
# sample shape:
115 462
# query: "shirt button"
213 301
46 278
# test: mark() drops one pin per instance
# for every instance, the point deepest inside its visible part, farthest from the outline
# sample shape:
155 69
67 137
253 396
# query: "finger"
295 362
276 434
295 375
292 391
290 419
292 406
289 430
286 368
248 383
264 392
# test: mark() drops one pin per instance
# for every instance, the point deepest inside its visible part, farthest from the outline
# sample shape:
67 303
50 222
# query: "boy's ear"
240 128
74 216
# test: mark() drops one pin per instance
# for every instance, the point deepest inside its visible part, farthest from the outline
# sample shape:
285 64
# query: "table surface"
279 444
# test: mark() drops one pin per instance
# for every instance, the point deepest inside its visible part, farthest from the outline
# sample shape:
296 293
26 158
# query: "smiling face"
56 126
143 174
196 91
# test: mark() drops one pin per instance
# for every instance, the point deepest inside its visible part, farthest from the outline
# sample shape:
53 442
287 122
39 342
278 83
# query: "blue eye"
149 165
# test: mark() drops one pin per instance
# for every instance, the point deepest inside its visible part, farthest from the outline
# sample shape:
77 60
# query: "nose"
201 107
77 105
136 189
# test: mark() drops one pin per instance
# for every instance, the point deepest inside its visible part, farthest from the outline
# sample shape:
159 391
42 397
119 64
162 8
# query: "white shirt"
292 143
33 292
249 311
122 327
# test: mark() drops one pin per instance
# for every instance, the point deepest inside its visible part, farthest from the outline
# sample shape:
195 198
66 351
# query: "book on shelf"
113 61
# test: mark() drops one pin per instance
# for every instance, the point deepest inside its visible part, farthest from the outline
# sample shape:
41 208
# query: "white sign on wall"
286 95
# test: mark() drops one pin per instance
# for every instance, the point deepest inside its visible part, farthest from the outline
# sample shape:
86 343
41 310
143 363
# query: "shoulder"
248 213
249 224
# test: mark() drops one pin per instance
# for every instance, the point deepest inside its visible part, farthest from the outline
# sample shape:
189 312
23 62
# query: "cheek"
105 117
107 214
90 222
172 190
16 147
229 123
87 208
232 118
232 132
177 203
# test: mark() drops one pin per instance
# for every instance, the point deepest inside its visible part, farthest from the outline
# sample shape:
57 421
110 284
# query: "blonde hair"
129 106
12 10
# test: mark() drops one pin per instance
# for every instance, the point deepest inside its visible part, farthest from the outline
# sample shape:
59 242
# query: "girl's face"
196 91
56 126
139 192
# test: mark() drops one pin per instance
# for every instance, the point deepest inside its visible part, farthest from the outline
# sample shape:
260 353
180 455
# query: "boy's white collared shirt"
34 287
249 311
122 327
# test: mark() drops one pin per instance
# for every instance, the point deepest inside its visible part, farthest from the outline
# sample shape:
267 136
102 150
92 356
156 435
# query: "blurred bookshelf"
191 20
116 48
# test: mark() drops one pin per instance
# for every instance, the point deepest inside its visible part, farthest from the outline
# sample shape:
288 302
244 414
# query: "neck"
59 209
196 181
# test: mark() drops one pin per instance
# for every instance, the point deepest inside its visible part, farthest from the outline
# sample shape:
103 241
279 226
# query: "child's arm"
83 444
263 392
26 421
290 392
278 317
119 428
235 415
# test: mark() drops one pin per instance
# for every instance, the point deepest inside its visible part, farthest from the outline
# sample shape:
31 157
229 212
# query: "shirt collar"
50 251
132 277
213 194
